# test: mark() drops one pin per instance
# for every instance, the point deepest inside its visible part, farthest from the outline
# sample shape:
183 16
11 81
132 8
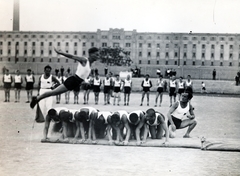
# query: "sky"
180 16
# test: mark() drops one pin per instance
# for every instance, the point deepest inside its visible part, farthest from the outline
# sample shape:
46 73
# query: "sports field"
22 153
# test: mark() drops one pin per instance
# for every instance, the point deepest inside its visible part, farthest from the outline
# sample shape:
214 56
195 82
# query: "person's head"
150 115
173 78
93 54
17 72
186 96
52 113
82 116
188 77
117 76
115 119
7 71
47 70
146 76
65 116
160 76
134 118
100 120
128 77
29 71
180 78
96 75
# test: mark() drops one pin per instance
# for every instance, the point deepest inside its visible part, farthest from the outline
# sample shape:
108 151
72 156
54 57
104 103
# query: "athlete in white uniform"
30 80
7 81
18 80
177 113
83 71
146 85
84 121
117 84
136 120
157 124
118 121
46 82
53 116
160 88
180 87
127 85
172 89
96 87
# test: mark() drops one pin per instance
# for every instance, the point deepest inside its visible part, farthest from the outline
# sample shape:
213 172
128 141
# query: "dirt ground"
22 153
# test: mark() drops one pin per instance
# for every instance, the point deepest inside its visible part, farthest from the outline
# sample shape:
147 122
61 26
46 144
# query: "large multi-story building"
145 49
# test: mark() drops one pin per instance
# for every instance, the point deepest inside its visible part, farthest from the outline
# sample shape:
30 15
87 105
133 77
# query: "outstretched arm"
82 60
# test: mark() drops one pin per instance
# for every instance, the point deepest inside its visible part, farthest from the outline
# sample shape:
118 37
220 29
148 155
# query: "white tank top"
117 83
188 83
146 83
180 112
96 82
46 83
180 85
160 83
155 123
107 82
83 71
172 83
7 78
29 78
17 79
127 83
105 115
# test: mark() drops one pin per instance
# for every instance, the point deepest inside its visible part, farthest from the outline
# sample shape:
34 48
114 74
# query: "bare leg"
191 125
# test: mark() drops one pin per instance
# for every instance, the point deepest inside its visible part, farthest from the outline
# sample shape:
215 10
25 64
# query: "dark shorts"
177 122
116 89
96 88
203 88
180 91
106 89
160 89
86 86
146 89
73 82
29 86
127 90
172 91
17 85
7 85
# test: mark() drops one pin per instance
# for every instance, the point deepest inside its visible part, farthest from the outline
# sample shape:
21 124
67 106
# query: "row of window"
119 37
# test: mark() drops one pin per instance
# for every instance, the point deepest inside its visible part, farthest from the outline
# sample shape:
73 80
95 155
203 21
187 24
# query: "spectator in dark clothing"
62 71
214 74
56 71
68 70
237 79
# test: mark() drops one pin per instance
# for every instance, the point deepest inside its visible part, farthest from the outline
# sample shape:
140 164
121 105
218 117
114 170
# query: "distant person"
214 74
189 83
160 89
56 71
69 70
237 80
97 82
62 71
30 80
107 82
87 86
146 85
18 80
7 84
61 80
172 89
127 87
117 84
105 70
180 87
158 71
203 89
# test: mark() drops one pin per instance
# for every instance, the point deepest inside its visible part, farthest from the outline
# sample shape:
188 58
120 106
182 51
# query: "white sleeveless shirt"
46 83
29 78
180 112
17 79
83 71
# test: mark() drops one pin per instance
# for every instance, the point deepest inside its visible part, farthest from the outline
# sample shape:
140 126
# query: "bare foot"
186 136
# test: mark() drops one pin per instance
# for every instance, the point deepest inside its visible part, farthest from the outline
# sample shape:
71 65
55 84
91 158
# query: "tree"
115 56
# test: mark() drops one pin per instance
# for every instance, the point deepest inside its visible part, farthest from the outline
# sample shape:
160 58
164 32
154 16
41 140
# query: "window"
66 60
221 64
66 36
203 55
33 52
32 60
212 46
140 54
166 55
212 38
149 45
185 38
158 54
184 55
50 60
50 52
203 38
212 55
1 43
92 36
9 52
58 36
84 53
158 45
176 46
184 63
193 63
194 46
9 43
9 59
128 44
104 37
149 54
140 37
41 52
104 44
33 36
84 36
128 37
167 38
194 38
116 44
222 46
75 44
42 43
17 43
58 60
50 36
50 43
25 52
139 62
185 45
202 63
58 43
175 54
157 62
41 59
140 45
75 52
41 36
221 55
230 39
92 44
25 59
194 55
231 46
230 64
25 36
167 45
211 63
116 37
166 63
203 46
222 38
149 62
230 56
67 44
84 44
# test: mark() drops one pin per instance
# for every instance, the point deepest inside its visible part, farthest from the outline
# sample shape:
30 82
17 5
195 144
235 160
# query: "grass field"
22 153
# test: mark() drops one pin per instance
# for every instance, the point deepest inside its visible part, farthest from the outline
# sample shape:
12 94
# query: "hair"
92 50
133 117
160 76
65 116
100 120
150 112
189 76
190 92
181 77
29 70
115 118
48 66
52 112
81 116
147 75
